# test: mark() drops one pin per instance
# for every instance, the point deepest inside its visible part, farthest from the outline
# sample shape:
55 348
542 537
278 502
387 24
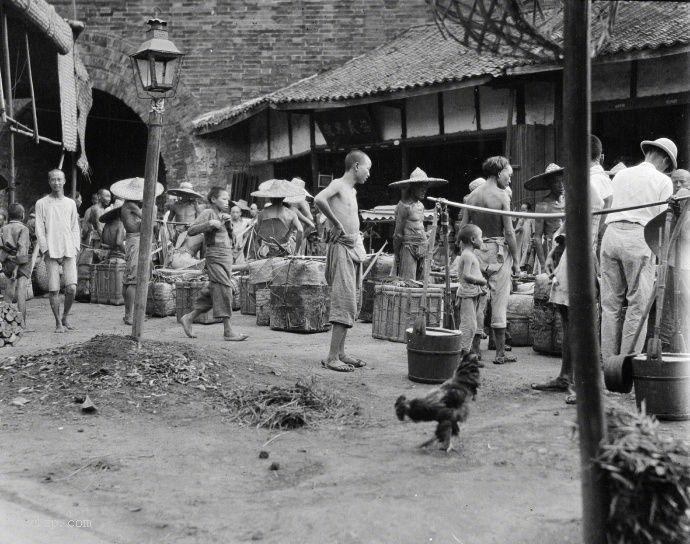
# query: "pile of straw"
648 480
279 407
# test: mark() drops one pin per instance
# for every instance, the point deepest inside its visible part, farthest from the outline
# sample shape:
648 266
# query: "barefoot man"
132 192
338 202
498 255
58 235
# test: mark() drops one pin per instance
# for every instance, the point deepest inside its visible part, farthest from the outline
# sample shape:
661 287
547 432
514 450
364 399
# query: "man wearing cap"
627 266
410 239
300 206
498 255
545 229
186 209
338 202
113 233
132 192
276 224
58 235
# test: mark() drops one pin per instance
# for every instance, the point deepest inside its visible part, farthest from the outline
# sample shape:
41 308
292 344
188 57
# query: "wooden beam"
404 148
313 157
268 134
509 123
16 130
10 108
441 119
289 123
31 86
633 79
673 99
477 109
520 110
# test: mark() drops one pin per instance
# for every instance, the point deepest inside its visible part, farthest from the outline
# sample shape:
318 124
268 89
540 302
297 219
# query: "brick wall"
236 49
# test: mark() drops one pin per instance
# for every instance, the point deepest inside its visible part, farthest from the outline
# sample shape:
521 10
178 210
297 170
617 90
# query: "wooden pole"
147 214
583 337
34 115
8 99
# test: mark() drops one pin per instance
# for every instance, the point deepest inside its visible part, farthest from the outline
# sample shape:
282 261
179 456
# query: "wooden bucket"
664 385
300 308
247 297
396 308
185 295
263 307
434 356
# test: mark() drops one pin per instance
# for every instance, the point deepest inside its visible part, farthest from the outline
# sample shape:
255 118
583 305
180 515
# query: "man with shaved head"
92 226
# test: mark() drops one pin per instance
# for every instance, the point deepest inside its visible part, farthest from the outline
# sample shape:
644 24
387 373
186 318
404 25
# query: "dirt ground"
180 469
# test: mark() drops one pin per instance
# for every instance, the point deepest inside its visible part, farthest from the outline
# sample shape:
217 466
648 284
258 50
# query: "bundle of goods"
106 282
546 327
247 297
396 307
236 293
186 291
300 297
261 274
161 301
378 273
39 278
519 317
11 324
263 306
87 257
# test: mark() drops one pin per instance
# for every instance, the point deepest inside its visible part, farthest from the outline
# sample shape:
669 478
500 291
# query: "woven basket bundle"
160 301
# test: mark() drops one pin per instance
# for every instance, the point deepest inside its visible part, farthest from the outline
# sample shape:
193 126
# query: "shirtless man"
277 223
338 202
185 209
93 227
499 235
113 235
545 229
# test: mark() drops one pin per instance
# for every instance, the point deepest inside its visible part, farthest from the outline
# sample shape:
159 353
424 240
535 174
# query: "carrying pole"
583 337
8 104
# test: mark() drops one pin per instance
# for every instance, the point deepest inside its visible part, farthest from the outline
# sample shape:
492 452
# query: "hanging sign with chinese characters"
347 126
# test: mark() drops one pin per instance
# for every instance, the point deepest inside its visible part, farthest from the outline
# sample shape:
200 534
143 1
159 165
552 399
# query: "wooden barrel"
664 385
396 308
434 356
300 308
186 292
160 300
247 297
263 307
381 270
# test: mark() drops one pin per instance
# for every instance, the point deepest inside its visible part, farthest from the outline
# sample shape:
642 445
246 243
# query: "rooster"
446 404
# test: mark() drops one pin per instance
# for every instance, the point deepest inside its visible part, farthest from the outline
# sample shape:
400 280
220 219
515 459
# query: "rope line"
533 215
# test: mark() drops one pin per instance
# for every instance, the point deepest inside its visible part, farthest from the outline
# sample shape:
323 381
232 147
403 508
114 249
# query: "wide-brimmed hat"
185 189
132 189
615 169
111 212
542 182
241 204
299 183
277 188
476 183
419 176
666 145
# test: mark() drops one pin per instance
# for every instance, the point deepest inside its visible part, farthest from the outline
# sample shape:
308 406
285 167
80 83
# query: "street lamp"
156 67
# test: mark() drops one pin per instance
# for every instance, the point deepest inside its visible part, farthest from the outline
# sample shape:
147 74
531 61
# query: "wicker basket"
520 309
247 297
381 270
86 259
106 282
185 294
263 307
546 328
160 301
300 308
396 308
39 277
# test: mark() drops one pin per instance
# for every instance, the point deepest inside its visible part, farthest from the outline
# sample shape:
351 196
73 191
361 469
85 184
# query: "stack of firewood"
11 324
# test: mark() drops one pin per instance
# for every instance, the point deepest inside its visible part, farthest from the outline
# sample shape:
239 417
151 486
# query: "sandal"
557 384
505 360
337 366
353 361
571 398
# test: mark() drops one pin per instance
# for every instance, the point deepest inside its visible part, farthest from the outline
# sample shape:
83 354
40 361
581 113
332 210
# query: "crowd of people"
490 249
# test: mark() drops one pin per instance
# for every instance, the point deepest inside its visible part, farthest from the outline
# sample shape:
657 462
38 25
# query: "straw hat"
185 189
299 183
419 176
542 182
666 145
111 212
476 183
616 168
277 188
132 189
241 204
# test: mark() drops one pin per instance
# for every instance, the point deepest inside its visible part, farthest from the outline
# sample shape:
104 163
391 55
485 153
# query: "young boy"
471 288
14 255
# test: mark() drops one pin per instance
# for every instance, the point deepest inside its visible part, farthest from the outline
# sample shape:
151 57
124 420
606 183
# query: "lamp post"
156 66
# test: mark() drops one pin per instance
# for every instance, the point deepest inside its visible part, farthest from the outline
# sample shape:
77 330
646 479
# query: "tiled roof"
422 57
